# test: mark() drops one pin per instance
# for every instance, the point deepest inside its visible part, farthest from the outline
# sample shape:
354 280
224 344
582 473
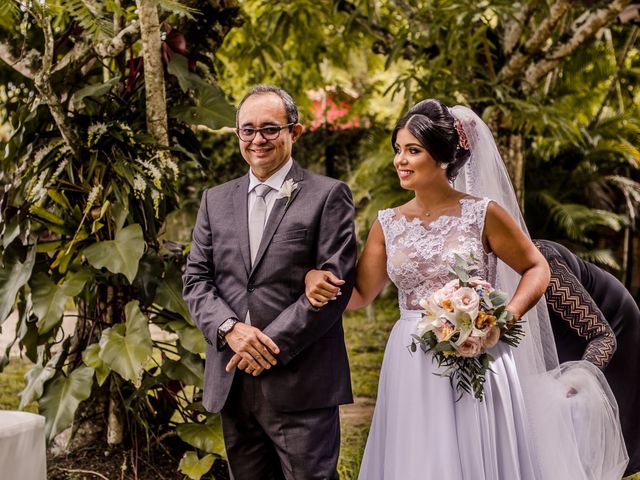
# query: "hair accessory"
462 137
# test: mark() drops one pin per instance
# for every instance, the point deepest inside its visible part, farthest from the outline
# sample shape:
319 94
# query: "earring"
443 166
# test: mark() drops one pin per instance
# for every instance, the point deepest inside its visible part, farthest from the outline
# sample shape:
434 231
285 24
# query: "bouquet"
461 321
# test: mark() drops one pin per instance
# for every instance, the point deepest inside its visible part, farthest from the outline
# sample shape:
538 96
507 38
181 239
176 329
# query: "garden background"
116 114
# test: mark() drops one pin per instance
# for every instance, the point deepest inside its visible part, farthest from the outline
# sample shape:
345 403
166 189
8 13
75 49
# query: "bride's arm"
505 238
371 276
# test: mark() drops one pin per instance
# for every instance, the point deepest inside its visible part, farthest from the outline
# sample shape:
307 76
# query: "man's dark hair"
289 105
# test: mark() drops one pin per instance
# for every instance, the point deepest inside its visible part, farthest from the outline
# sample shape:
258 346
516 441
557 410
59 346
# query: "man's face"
265 157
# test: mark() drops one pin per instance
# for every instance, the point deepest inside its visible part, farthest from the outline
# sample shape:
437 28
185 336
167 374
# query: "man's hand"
243 365
321 286
252 347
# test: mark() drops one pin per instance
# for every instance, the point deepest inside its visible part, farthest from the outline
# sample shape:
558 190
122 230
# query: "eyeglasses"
270 132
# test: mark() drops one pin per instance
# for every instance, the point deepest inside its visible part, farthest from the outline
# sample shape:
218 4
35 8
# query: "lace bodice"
419 254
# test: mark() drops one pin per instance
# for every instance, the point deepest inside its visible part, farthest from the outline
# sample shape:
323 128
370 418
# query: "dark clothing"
595 318
263 444
312 228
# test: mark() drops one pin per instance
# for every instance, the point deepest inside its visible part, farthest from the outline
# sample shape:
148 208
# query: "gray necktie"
257 217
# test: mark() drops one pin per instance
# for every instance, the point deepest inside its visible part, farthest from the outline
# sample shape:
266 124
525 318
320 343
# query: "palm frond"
91 16
175 6
9 13
603 257
577 220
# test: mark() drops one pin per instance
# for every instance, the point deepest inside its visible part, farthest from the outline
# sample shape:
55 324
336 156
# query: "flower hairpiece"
463 142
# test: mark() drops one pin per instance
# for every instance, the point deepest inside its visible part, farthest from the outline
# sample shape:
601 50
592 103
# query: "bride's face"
416 168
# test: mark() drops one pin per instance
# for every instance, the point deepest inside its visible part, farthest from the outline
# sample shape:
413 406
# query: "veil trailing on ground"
571 410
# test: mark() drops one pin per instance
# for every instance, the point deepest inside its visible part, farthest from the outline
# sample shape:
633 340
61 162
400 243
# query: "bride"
537 420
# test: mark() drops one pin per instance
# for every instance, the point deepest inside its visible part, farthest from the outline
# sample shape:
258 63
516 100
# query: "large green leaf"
212 108
204 436
94 90
91 358
62 397
120 255
13 275
190 337
189 369
194 467
126 347
169 293
49 299
36 378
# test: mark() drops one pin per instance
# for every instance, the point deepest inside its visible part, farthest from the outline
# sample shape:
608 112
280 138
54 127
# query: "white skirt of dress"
420 432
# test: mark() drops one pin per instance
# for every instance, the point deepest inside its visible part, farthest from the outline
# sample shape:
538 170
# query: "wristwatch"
225 328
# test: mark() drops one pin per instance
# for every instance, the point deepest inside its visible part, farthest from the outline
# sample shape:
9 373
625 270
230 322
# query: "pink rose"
471 347
491 338
443 294
466 300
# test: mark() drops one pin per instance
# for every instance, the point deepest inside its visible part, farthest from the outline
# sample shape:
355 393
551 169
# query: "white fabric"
580 436
275 181
419 431
22 446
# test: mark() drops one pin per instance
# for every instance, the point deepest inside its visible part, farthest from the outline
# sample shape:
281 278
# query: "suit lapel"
240 199
280 207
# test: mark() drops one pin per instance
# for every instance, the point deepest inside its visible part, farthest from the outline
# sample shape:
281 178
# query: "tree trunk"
153 71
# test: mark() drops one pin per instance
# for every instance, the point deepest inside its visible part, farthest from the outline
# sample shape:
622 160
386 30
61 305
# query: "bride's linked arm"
322 286
505 238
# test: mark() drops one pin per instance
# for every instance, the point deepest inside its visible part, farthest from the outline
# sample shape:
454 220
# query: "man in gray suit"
276 367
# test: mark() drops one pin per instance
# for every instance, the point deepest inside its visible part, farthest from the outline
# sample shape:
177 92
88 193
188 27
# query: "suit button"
251 288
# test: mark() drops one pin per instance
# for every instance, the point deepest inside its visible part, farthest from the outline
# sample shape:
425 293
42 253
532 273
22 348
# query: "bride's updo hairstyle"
433 125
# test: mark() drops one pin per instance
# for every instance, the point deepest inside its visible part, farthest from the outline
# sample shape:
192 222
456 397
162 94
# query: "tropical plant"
92 187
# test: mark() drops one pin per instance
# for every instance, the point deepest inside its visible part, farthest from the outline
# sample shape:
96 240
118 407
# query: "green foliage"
194 467
61 398
87 204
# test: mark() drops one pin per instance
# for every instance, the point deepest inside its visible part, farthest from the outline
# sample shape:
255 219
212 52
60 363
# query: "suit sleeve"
301 324
569 300
200 292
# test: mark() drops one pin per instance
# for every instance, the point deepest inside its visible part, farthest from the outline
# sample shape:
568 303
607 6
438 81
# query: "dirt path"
358 412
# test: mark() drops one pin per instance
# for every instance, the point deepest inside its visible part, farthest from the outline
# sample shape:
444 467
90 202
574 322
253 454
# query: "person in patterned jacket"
595 318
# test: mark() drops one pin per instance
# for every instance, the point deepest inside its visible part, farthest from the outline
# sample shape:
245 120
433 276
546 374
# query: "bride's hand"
321 286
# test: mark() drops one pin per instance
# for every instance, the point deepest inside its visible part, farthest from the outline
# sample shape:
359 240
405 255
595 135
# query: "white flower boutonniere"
286 190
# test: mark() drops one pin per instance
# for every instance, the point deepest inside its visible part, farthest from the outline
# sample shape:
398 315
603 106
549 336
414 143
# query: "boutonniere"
286 190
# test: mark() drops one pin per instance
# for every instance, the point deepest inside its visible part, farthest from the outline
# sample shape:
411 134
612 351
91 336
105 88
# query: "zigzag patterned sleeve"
568 299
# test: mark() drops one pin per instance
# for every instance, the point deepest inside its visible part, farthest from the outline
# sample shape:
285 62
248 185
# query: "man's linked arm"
200 293
301 324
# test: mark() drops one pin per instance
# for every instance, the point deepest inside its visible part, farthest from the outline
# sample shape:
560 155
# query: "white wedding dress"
420 431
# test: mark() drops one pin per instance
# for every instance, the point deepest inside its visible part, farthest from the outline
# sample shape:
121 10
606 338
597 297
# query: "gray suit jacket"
312 229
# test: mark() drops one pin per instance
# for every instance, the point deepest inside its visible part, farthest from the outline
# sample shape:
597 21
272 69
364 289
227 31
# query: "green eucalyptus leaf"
120 255
125 348
62 396
14 274
194 467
